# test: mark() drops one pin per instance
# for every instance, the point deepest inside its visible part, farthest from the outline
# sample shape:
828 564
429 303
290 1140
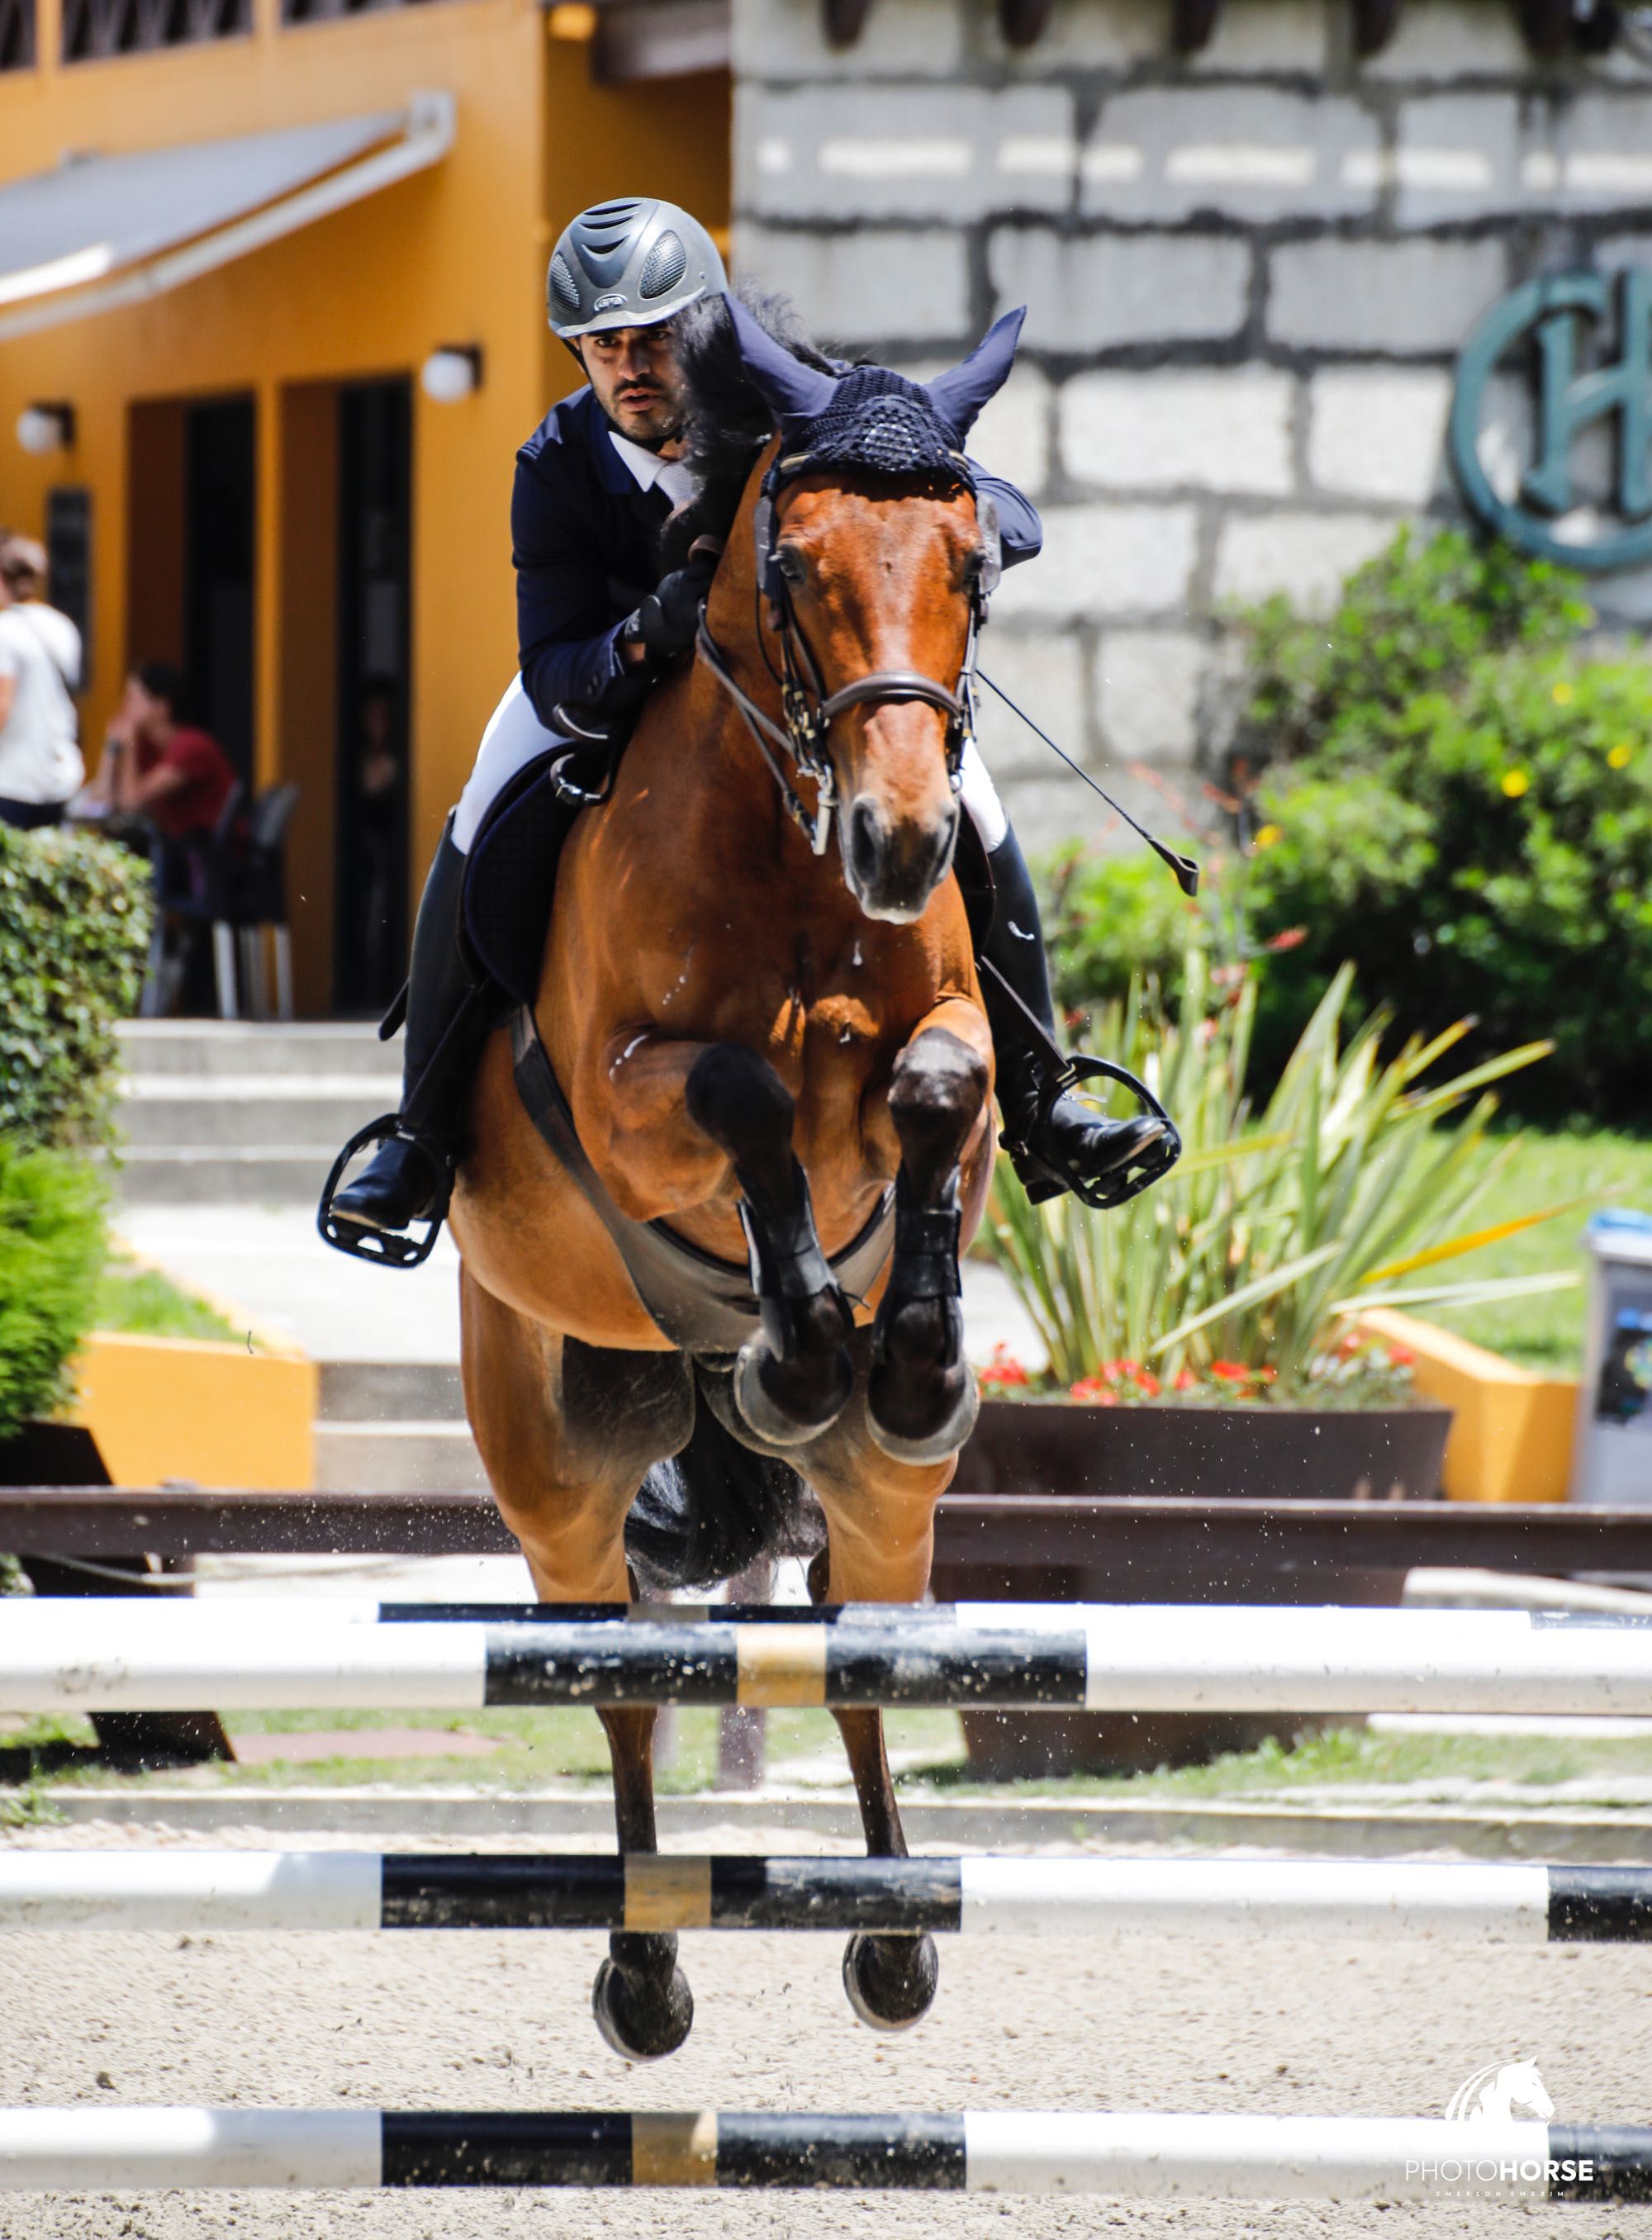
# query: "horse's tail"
703 1515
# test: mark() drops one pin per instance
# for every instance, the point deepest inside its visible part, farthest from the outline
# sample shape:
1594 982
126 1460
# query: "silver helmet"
629 264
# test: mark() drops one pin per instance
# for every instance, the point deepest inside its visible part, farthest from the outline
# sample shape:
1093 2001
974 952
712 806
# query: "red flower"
1002 1372
1293 937
1149 1383
1088 1388
1401 1357
1266 1376
1230 1372
1186 1380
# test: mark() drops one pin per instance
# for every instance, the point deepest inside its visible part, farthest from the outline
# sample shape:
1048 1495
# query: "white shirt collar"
649 470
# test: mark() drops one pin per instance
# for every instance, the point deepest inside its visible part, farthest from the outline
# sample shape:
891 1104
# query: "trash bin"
1612 1462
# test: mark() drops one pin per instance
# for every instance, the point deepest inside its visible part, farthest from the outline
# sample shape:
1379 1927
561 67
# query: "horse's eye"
790 562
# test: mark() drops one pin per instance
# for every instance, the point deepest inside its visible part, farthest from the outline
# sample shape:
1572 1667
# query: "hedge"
51 1250
75 915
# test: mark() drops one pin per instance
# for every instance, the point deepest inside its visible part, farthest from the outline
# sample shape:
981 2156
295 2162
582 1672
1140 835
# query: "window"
94 29
325 11
16 35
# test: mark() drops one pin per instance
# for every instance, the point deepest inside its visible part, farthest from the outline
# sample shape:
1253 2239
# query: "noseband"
808 710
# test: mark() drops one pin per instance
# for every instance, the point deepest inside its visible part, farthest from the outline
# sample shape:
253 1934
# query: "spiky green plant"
1277 1229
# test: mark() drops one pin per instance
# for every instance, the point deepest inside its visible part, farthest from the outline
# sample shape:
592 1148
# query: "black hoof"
643 2014
782 1401
926 1426
890 1980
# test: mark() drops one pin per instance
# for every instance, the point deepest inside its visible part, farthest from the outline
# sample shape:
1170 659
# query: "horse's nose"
894 869
869 844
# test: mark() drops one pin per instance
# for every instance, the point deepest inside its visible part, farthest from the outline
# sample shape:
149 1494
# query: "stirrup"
385 1248
1044 1174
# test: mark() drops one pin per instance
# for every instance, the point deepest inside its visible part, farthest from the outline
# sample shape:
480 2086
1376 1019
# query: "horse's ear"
791 389
958 397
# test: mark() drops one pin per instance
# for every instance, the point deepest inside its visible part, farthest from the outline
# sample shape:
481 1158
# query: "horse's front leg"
921 1400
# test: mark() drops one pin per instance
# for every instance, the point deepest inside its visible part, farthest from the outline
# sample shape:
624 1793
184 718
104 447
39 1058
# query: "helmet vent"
667 261
563 287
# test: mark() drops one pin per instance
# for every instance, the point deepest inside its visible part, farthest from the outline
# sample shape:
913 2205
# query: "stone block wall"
1248 274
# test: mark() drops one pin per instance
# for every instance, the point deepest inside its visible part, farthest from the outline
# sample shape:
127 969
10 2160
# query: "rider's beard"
650 421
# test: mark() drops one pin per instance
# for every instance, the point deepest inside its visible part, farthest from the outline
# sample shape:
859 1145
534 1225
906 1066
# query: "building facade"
1249 272
254 484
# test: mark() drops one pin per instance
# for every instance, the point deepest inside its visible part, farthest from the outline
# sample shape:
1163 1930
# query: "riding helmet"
629 264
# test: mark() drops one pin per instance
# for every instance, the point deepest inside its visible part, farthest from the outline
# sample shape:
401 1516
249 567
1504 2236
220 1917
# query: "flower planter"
1265 1453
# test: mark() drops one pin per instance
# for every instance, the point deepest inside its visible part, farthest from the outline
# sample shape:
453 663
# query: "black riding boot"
411 1175
1054 1139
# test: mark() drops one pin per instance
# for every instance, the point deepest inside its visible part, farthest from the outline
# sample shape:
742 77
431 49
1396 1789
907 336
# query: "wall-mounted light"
452 373
43 428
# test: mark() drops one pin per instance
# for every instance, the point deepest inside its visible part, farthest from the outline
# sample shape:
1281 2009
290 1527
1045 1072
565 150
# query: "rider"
597 626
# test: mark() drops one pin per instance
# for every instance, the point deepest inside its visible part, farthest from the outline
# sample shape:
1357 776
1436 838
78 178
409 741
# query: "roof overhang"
103 231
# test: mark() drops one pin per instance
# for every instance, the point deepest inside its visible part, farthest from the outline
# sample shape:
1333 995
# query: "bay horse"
775 1048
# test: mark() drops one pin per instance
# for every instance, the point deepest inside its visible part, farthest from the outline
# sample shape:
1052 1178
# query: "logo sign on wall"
1576 485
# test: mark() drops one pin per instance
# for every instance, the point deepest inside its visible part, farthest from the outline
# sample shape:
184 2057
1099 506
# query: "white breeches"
515 735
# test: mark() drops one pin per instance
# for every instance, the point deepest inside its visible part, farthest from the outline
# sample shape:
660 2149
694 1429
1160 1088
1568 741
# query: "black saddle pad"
512 869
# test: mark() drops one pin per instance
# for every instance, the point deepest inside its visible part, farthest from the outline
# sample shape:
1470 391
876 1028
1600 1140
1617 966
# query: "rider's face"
634 373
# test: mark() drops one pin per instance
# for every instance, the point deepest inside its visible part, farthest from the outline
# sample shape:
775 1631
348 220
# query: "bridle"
808 710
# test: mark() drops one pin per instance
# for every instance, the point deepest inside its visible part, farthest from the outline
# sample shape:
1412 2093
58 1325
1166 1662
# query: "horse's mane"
726 420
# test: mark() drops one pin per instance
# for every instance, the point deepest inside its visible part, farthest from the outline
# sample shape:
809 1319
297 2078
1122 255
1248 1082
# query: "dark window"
16 34
325 11
219 488
95 28
69 562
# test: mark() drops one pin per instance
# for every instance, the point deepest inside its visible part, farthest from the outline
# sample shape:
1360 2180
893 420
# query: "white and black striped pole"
72 1655
1255 2157
197 1892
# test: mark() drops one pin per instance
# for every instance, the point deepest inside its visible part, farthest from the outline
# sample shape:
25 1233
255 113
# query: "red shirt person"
156 767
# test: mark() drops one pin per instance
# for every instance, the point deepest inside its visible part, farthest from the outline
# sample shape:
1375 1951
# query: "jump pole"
200 1892
90 1656
1257 2157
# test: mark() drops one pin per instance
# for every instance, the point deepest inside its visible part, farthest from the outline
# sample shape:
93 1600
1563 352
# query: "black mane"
726 420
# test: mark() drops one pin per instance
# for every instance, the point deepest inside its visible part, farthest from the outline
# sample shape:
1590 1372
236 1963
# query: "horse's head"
876 564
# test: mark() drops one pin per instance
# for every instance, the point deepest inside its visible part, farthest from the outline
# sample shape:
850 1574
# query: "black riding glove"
666 622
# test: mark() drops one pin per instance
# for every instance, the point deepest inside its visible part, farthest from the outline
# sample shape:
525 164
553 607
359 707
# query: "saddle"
704 1305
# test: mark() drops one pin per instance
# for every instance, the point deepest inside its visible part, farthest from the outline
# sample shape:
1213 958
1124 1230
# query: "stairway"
394 1427
227 1112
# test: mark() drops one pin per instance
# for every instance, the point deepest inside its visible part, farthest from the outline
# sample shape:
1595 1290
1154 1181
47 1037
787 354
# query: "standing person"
40 762
155 767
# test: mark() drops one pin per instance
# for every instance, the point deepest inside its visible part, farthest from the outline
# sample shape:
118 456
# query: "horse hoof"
762 1413
959 1400
890 1980
641 2018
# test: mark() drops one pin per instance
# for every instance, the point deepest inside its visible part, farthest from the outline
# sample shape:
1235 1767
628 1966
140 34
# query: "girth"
701 1303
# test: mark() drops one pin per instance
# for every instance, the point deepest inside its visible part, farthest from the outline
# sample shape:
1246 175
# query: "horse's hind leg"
566 1432
791 1382
920 1401
880 1525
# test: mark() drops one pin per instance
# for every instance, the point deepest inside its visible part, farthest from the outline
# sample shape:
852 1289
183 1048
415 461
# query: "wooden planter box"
1258 1454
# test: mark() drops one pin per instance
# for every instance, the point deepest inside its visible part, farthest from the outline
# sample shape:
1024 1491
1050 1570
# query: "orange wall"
454 255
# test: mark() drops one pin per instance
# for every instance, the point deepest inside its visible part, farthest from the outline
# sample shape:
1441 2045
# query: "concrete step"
421 1455
272 1174
224 1109
211 1046
390 1391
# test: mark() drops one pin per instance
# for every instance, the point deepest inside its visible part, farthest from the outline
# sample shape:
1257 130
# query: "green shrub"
51 1249
1491 856
74 926
1413 620
1111 919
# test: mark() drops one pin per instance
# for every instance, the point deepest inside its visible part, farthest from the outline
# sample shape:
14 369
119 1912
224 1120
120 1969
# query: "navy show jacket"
585 539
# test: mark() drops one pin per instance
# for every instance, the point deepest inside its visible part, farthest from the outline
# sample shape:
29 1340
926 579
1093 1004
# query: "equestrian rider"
596 626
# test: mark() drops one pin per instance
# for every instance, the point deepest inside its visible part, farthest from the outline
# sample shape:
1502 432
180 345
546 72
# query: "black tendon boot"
411 1175
1056 1141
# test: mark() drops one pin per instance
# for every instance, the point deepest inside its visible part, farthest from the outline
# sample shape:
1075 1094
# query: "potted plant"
1206 1340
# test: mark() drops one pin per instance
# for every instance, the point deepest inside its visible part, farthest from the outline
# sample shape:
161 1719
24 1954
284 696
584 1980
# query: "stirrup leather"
1045 1174
386 1248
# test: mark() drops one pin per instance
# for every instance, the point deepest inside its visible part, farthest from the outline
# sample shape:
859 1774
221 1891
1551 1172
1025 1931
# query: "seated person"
175 777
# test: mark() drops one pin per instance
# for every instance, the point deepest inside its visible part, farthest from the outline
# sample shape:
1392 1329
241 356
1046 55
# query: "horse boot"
410 1177
1055 1142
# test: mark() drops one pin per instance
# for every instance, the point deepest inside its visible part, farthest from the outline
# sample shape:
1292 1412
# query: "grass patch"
143 1303
1547 1332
